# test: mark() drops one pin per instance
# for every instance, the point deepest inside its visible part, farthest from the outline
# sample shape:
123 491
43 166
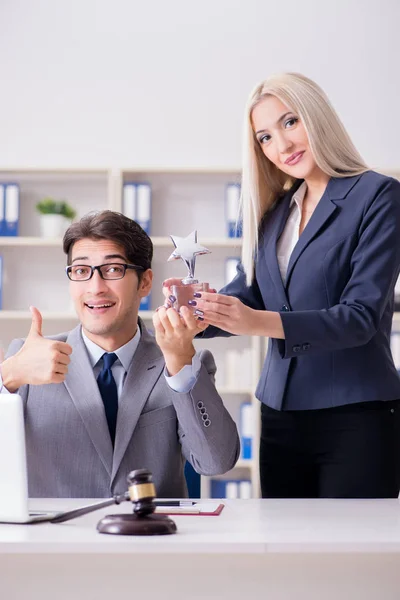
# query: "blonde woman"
320 259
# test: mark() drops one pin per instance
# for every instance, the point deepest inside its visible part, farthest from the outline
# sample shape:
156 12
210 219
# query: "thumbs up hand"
37 322
40 361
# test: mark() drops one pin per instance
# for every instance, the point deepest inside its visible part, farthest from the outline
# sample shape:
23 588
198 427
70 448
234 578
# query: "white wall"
163 83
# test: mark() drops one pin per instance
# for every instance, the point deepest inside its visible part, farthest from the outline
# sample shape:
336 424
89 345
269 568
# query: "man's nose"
97 283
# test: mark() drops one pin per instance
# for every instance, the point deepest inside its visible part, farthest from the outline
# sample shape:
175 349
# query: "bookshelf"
182 200
33 267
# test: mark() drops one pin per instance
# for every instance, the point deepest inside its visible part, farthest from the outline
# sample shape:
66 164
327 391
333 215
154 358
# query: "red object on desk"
210 509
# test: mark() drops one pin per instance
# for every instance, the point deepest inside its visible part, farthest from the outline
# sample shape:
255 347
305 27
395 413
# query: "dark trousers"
350 451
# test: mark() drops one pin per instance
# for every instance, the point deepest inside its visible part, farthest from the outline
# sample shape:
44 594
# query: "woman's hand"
166 290
231 315
167 285
174 334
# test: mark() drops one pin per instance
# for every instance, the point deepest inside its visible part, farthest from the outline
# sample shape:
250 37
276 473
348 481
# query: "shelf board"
146 315
224 390
55 171
158 241
30 241
218 242
396 318
244 462
22 315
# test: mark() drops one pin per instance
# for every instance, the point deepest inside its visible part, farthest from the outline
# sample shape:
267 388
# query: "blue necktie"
108 391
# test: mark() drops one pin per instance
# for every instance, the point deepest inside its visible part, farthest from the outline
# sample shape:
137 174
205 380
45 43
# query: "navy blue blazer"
338 301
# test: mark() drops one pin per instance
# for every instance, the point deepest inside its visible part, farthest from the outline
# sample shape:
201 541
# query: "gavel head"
142 492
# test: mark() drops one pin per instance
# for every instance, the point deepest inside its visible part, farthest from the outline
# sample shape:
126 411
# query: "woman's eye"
291 122
264 139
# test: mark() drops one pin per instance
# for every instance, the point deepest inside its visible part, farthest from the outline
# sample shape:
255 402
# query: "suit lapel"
337 189
144 371
83 389
270 247
323 211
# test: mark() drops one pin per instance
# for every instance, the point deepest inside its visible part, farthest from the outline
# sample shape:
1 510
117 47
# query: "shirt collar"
125 353
298 196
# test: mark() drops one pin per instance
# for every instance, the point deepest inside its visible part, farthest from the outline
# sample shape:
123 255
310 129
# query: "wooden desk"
269 549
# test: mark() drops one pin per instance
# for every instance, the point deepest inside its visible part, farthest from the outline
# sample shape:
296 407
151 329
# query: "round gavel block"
134 525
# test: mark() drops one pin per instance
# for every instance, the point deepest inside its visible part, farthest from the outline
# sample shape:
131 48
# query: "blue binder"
231 264
145 303
9 209
129 200
1 282
232 210
225 488
193 481
136 203
143 206
2 208
231 488
246 430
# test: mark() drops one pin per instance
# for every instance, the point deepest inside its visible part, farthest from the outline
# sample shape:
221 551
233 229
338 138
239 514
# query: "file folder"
145 303
129 201
2 208
11 210
232 210
136 203
231 264
1 282
143 206
246 430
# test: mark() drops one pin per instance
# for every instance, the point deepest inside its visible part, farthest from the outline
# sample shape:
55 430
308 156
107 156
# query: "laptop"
13 469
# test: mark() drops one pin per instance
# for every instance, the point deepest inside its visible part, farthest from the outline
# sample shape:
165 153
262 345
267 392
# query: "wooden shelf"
226 390
157 242
247 463
22 315
30 241
95 188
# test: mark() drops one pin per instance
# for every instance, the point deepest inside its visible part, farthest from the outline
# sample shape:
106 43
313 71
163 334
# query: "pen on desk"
174 503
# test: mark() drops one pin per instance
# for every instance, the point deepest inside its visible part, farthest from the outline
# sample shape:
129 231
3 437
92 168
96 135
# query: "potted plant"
55 216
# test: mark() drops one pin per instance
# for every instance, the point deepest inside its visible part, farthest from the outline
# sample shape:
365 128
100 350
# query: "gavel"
141 492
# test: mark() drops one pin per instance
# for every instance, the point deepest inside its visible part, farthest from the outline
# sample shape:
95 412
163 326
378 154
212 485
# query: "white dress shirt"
181 382
290 234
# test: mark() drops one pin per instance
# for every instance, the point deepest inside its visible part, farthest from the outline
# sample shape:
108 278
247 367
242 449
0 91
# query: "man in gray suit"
105 398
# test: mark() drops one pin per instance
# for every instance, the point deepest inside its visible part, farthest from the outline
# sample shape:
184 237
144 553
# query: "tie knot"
109 359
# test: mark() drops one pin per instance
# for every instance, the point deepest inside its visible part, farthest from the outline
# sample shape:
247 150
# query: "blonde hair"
262 182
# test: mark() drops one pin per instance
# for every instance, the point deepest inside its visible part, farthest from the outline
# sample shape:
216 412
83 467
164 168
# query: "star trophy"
187 249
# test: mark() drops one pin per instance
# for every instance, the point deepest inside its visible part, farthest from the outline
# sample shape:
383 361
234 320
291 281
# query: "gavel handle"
84 510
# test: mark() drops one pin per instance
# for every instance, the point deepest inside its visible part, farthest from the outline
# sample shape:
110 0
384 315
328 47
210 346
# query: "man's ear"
145 284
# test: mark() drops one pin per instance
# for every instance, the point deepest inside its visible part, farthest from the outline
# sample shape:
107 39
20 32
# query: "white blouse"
290 234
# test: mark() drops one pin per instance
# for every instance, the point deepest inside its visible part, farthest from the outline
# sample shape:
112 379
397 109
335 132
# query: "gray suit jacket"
69 449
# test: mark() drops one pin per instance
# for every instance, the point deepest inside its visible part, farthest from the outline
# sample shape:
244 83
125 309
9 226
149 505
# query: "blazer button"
207 423
306 346
296 348
203 410
204 417
285 308
200 404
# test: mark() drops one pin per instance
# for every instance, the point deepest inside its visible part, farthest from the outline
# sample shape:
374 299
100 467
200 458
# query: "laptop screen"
13 470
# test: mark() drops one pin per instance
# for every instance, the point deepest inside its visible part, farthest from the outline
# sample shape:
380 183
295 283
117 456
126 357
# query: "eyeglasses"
107 271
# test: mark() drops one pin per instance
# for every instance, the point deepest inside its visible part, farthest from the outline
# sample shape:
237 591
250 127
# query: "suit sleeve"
13 348
375 265
207 433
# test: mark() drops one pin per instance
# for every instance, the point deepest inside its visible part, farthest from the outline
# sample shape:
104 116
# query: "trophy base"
183 293
131 524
